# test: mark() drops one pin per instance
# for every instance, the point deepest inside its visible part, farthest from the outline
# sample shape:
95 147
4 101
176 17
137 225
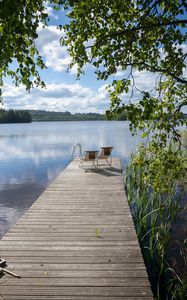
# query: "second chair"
105 154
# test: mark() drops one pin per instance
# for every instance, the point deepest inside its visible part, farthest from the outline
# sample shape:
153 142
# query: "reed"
154 212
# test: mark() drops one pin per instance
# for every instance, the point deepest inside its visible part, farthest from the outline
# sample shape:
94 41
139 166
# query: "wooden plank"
131 291
113 240
34 297
98 243
73 226
44 280
132 257
62 251
78 267
77 241
35 273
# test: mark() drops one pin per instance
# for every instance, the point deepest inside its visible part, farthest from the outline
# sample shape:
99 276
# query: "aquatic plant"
154 192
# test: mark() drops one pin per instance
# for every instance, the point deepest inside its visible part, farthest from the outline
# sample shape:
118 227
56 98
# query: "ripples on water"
32 155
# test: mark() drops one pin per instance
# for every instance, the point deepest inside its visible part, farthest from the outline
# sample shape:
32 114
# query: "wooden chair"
105 154
90 156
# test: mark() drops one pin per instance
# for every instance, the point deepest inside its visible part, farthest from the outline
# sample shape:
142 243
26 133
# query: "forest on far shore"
45 116
15 116
28 116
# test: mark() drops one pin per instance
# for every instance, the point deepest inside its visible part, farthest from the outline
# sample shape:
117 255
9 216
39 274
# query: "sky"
63 91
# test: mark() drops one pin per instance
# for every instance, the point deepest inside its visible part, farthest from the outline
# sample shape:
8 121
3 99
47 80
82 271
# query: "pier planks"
76 242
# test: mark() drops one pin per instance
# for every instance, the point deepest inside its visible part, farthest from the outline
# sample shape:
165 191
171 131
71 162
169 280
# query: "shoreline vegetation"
14 116
28 116
160 220
47 116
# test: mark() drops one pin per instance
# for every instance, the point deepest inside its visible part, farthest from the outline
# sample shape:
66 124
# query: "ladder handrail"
74 148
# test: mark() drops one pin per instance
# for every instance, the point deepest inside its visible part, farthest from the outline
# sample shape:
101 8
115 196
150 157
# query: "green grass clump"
155 208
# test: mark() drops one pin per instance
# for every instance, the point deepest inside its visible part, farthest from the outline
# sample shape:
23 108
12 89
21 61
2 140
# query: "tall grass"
154 213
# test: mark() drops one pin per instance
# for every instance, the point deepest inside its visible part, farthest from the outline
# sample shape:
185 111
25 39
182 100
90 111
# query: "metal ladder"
73 152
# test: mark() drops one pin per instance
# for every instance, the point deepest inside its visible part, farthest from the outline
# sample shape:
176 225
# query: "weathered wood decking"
76 242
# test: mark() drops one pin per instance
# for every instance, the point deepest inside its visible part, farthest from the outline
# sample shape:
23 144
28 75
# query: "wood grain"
76 242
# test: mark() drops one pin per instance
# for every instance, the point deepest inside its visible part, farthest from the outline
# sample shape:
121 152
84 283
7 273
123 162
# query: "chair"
90 156
105 153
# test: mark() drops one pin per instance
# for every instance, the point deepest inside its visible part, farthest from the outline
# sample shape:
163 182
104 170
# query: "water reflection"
32 155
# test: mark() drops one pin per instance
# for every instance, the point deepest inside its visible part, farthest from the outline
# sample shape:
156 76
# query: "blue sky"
63 92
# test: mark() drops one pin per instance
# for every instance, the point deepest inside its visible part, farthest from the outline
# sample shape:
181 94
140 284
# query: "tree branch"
184 4
178 79
160 70
184 103
150 8
150 26
138 28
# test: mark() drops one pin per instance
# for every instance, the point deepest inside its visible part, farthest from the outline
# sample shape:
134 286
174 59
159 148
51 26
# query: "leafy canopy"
143 35
111 35
19 57
128 33
133 35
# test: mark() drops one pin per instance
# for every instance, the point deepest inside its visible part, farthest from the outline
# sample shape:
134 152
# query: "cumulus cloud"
66 97
47 35
71 97
55 56
57 97
145 80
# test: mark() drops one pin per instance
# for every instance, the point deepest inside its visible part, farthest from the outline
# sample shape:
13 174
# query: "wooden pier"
76 242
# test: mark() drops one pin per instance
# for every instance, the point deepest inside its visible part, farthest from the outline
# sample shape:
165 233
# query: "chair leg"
94 165
97 162
81 163
109 162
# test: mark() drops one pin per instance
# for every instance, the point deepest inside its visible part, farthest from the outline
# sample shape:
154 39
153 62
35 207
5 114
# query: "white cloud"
57 97
70 97
120 72
145 80
46 35
50 11
103 92
55 56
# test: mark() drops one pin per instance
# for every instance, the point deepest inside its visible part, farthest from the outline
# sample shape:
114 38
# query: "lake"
32 155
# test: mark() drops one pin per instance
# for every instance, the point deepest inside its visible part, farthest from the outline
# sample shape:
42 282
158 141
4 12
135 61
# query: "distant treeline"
15 116
27 116
40 115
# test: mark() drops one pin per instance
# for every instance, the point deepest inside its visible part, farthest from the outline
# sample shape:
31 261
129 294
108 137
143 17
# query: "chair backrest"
105 152
90 155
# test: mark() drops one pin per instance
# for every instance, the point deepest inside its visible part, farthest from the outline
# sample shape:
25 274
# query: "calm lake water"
32 155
